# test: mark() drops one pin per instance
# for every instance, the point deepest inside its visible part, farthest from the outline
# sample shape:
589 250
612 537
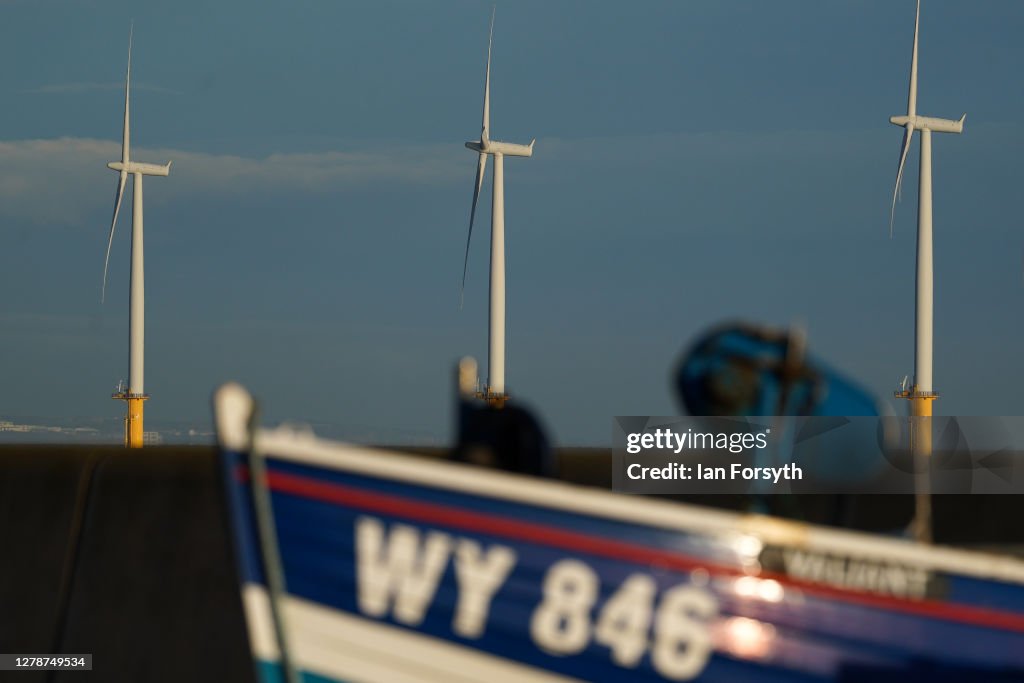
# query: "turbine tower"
135 393
921 393
494 391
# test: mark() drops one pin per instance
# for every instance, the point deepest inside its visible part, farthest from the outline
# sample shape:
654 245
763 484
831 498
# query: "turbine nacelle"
509 149
929 123
138 167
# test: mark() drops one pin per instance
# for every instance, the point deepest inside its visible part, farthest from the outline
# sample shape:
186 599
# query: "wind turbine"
134 394
494 391
922 393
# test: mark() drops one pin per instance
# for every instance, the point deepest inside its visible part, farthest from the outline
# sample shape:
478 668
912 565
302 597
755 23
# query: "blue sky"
695 162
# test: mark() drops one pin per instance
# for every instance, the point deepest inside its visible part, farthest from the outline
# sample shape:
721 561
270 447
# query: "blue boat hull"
398 569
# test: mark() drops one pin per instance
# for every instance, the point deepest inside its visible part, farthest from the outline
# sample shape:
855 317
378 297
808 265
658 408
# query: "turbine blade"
110 239
486 128
907 136
912 96
127 87
480 167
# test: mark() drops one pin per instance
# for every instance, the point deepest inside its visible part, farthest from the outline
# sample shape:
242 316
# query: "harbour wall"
126 555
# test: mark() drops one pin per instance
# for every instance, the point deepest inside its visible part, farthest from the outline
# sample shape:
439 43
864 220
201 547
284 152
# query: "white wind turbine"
495 390
922 392
135 393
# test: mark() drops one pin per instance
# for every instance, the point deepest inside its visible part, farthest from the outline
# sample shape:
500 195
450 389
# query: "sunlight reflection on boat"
744 637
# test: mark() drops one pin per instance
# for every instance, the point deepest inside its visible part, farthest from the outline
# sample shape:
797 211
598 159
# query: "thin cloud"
86 86
64 181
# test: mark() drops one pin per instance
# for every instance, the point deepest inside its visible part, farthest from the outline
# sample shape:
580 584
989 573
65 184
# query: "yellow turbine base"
921 451
920 402
133 423
493 400
133 429
921 406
